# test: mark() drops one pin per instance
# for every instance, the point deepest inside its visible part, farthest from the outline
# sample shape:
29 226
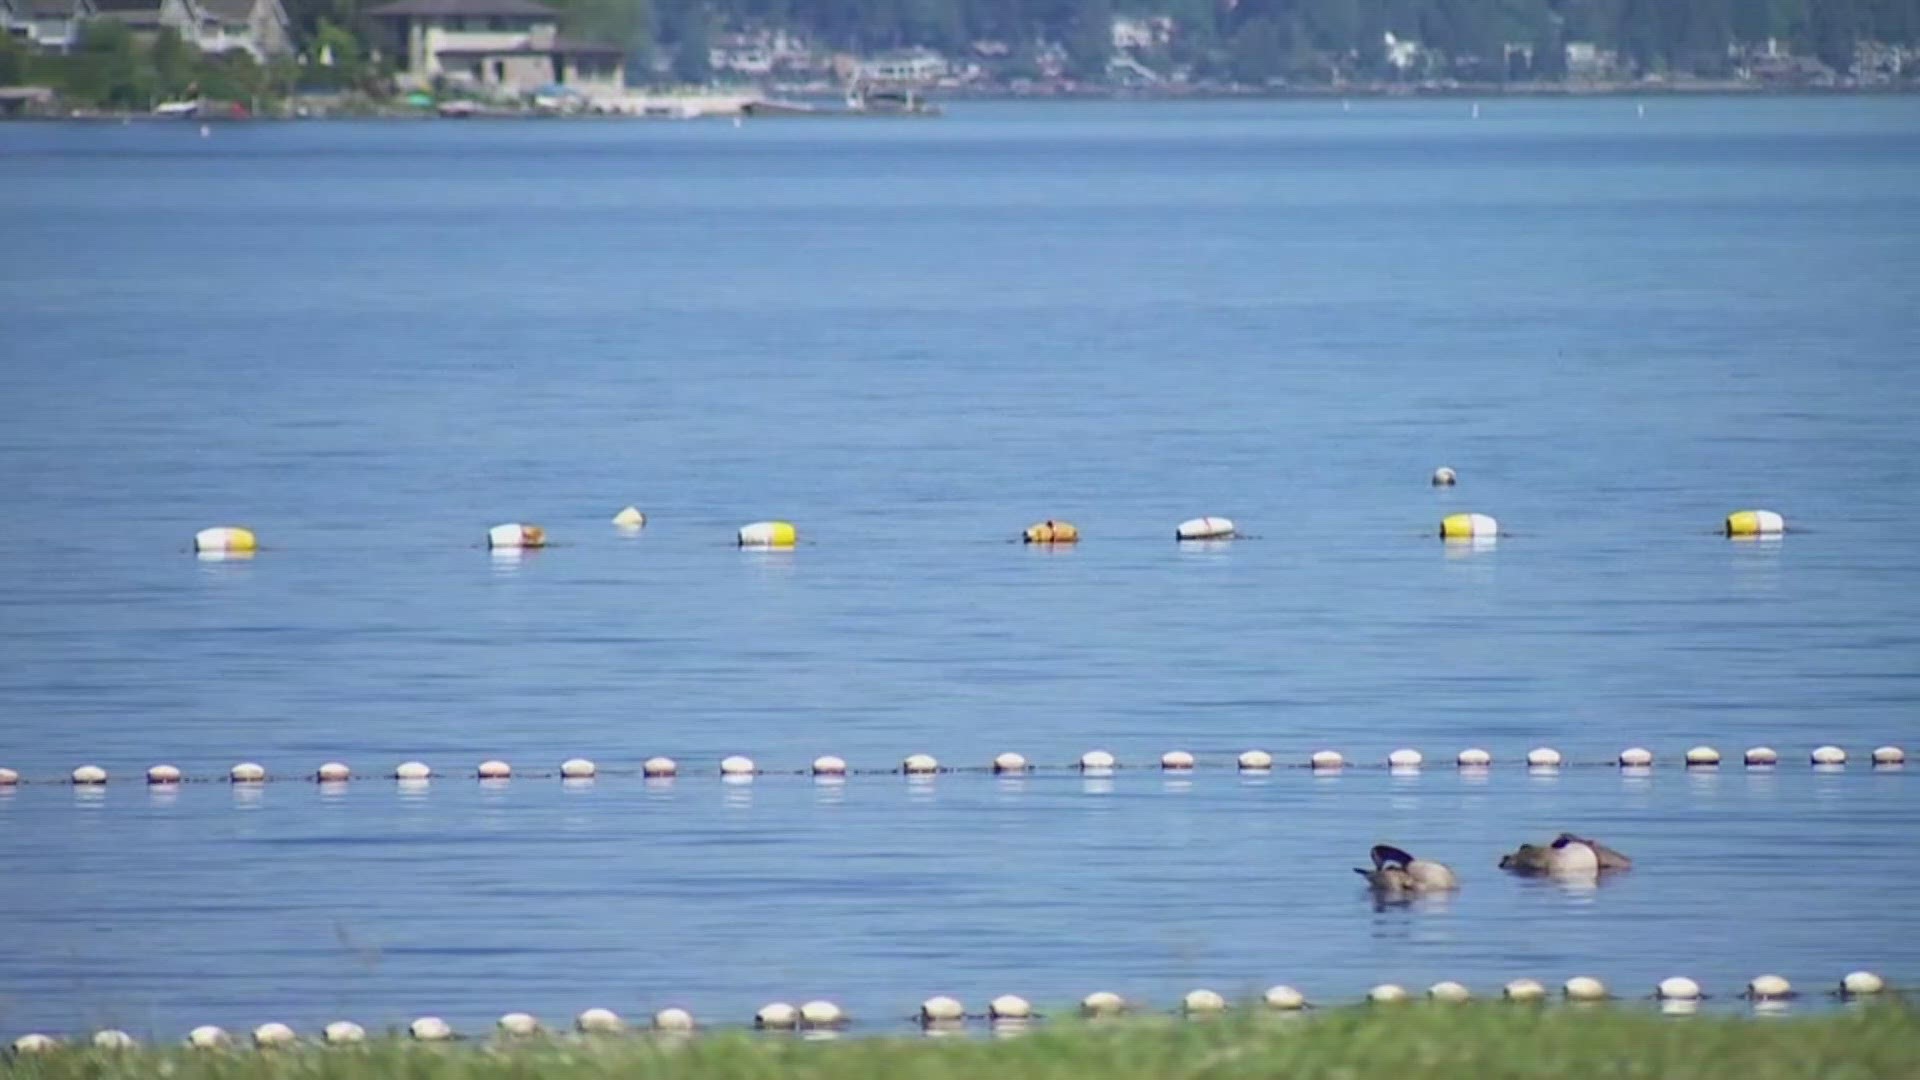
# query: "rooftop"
559 47
441 9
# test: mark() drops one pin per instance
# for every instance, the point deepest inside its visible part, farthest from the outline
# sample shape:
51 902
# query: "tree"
1550 51
1090 43
16 63
1261 49
173 62
1834 28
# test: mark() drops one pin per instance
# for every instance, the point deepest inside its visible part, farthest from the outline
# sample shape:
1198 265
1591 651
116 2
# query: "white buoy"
1861 984
1445 477
1404 759
1829 755
1677 988
942 1010
1387 993
1449 992
1096 761
630 518
1636 757
1284 999
1543 757
412 770
208 1037
515 536
247 772
920 764
35 1043
273 1034
1176 761
8 778
88 775
1205 528
494 770
1584 988
1009 762
598 1022
1762 755
658 767
1255 760
768 534
1202 1002
1889 755
1524 990
333 772
1325 760
1102 1003
1702 757
518 1025
828 765
430 1029
822 1014
343 1033
678 1020
163 774
1473 758
1769 988
737 765
776 1016
113 1039
578 768
1009 1007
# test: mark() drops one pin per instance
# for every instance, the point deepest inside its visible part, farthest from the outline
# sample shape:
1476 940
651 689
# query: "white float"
1636 757
658 767
1255 760
1009 762
1102 1003
737 765
88 775
207 1037
1405 758
273 1034
1445 477
598 1022
1829 755
1889 755
1677 988
1762 755
494 770
518 1025
679 1020
163 774
514 536
776 1016
1449 992
247 772
1009 1007
1524 990
578 768
343 1033
1096 761
1473 758
1584 988
1202 1003
920 764
630 518
1327 760
822 1014
1284 999
1176 761
828 765
1701 757
941 1009
412 770
1205 528
1387 994
1543 757
430 1029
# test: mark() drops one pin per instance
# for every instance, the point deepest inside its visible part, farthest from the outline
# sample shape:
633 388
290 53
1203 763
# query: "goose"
1568 854
1396 873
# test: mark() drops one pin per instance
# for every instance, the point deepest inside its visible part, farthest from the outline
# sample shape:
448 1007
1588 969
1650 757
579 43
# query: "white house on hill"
503 46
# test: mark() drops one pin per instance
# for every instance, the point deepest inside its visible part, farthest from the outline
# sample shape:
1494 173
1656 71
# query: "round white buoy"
1405 759
225 540
163 774
1584 988
1327 759
630 518
1769 988
343 1033
1102 1003
1699 757
942 1010
1636 757
1255 760
1829 755
113 1039
768 534
1450 992
822 1014
1543 757
1755 523
1445 477
514 536
919 764
1284 999
1202 1003
776 1016
1468 527
1762 755
1096 760
578 768
412 770
273 1034
35 1043
1204 528
8 778
828 765
1387 993
430 1029
1524 990
1882 755
88 775
208 1037
1009 762
1009 1007
247 772
598 1022
1473 758
737 765
333 772
494 770
660 766
679 1020
1861 984
518 1025
1677 988
1176 761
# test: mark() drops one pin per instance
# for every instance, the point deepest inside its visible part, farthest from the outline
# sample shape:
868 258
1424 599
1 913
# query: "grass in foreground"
1482 1042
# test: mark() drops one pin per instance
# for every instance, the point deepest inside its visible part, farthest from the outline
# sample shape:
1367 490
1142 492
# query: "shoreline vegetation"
1488 1039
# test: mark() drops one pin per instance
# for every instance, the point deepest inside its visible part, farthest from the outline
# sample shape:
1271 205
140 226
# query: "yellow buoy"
658 767
1102 1003
343 1033
630 518
163 774
333 772
430 1029
88 775
578 768
1009 762
768 534
1205 528
1468 527
1176 761
1445 477
1636 757
1254 760
1052 532
1202 1003
225 540
1284 999
598 1022
1755 523
1524 990
1450 992
494 770
515 535
776 1016
942 1010
679 1020
273 1034
518 1025
207 1037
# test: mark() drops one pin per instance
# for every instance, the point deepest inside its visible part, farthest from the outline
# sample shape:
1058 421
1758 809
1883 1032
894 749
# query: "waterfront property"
48 25
258 27
502 47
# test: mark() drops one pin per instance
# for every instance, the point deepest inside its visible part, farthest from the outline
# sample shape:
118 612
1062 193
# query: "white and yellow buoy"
1205 528
1202 1002
494 770
430 1029
1051 532
514 536
1636 757
768 534
1702 757
1102 1003
1524 990
598 1022
1176 761
1009 762
673 1019
578 769
1469 527
659 767
518 1025
1755 523
630 518
1096 761
208 1037
333 772
89 775
343 1033
1284 999
1445 477
225 540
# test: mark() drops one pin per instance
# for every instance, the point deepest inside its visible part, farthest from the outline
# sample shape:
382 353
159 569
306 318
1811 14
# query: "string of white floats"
1093 762
943 1014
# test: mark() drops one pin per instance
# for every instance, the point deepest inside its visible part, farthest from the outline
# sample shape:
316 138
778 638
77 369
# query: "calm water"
371 342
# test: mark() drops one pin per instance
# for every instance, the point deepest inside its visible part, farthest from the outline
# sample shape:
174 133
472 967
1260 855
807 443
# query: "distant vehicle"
178 110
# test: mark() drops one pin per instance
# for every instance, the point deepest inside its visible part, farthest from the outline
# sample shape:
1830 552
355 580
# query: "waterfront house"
47 25
500 47
146 18
914 67
259 27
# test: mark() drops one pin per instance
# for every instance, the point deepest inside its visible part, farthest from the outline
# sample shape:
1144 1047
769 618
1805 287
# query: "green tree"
1550 51
1261 49
174 62
1835 28
16 63
1090 41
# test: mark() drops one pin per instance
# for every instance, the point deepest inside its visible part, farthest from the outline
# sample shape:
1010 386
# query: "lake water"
371 342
